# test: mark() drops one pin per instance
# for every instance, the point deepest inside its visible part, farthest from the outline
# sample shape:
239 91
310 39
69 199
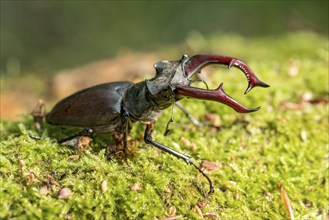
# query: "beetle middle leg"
149 140
120 138
187 114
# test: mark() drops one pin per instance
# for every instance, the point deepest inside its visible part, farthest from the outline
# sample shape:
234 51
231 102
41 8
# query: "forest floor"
256 161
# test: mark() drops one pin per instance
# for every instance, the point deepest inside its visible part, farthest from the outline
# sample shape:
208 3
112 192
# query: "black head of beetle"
168 75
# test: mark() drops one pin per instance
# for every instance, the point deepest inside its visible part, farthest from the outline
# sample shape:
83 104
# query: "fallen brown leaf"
211 166
136 187
286 201
64 193
104 186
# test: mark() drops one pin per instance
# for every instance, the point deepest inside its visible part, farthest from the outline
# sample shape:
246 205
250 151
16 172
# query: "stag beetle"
112 107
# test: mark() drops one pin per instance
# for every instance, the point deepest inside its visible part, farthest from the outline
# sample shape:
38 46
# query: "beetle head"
169 74
172 81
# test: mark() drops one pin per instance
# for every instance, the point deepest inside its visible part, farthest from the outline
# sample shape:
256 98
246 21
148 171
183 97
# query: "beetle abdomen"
95 107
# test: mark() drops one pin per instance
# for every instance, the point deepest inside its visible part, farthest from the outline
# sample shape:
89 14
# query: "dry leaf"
83 143
80 142
172 211
64 193
203 203
210 166
198 211
104 186
44 190
188 143
73 157
21 164
52 181
214 119
38 112
29 177
286 201
211 215
136 187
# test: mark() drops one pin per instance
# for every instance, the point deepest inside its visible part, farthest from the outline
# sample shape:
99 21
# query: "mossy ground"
286 141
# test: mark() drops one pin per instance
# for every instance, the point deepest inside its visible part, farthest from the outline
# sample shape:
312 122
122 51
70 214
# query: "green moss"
286 141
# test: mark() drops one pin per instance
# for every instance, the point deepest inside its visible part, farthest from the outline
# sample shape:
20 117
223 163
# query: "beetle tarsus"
38 138
211 185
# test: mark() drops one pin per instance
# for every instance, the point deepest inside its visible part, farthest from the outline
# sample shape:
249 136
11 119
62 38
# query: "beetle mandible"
113 106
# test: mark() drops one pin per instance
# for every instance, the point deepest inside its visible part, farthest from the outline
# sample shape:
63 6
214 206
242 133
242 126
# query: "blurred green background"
45 36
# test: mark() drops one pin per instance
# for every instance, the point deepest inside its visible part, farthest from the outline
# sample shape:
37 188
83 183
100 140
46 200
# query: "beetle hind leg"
38 113
188 114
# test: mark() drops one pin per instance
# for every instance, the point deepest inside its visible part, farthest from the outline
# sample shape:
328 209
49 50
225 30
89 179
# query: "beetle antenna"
200 80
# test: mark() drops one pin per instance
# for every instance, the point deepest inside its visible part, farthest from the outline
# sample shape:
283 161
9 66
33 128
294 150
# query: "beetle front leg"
214 95
149 140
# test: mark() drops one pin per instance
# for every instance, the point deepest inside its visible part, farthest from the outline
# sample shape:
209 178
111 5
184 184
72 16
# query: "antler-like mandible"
196 62
214 95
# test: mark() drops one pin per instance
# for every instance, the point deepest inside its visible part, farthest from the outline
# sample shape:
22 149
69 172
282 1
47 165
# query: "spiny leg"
149 140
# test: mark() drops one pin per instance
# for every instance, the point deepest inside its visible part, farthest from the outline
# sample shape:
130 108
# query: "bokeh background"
40 39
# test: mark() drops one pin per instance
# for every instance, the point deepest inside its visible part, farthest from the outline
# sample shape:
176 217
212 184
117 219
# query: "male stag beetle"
112 107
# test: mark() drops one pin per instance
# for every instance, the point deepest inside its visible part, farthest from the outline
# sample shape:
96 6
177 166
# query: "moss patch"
286 141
